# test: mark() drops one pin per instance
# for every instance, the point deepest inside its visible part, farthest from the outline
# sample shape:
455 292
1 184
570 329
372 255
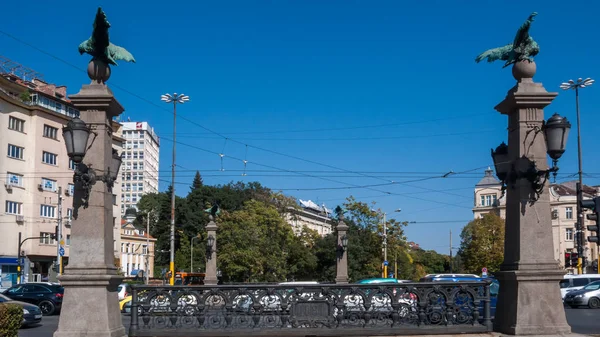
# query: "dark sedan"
47 296
31 313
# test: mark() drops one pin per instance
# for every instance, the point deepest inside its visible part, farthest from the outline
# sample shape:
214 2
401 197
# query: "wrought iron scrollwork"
369 308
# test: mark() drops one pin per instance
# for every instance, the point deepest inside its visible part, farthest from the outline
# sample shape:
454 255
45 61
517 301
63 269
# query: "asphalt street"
583 321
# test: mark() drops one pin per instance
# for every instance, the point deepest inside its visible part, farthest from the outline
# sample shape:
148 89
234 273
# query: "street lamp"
76 135
556 132
175 99
210 242
570 84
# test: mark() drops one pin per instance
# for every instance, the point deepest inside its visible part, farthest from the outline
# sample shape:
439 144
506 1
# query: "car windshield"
564 284
593 286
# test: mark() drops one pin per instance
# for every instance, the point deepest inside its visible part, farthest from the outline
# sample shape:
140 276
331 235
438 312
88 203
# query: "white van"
576 282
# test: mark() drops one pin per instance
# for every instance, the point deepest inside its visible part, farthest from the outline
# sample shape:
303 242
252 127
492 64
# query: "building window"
488 200
16 124
69 213
15 151
144 249
68 240
569 213
72 164
13 207
71 189
48 185
49 158
569 234
14 179
50 132
47 211
46 238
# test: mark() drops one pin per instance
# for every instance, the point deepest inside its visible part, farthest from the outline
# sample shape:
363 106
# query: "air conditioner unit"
8 187
554 214
68 223
20 218
40 187
67 192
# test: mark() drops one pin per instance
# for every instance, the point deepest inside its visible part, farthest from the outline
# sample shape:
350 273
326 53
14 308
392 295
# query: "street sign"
484 270
62 242
385 263
61 251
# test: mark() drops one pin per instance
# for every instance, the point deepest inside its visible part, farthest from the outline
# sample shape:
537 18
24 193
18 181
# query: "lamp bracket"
536 177
88 177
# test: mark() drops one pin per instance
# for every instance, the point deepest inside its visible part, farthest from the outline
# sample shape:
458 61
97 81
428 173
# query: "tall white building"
139 170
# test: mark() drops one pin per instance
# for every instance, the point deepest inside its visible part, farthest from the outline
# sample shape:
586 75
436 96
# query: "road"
583 321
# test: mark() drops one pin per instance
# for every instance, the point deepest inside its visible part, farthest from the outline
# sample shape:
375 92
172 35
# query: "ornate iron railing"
311 310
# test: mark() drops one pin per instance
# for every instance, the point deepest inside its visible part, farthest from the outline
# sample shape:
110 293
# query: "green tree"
182 254
198 182
482 244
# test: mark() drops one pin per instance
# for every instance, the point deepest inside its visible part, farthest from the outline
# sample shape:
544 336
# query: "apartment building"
34 167
310 215
139 170
563 204
137 251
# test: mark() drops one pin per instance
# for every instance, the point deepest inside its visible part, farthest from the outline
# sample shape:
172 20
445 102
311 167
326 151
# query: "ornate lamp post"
175 99
91 280
210 277
342 252
529 301
572 85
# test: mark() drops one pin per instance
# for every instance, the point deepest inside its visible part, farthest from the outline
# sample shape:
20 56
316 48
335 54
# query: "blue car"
494 287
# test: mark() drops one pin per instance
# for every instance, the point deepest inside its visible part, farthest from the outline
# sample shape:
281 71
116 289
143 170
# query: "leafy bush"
11 318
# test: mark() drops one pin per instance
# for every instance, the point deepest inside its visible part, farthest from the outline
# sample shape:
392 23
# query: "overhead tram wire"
210 130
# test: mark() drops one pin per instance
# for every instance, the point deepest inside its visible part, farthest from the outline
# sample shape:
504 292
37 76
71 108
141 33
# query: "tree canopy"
482 244
255 243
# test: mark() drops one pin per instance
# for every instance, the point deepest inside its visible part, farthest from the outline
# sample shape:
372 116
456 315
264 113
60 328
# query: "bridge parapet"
311 310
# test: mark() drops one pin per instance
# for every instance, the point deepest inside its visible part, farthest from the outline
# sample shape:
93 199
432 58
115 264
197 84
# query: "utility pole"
148 248
175 98
19 271
59 261
451 252
579 228
385 263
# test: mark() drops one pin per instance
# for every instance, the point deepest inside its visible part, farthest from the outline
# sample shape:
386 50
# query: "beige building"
33 169
137 251
139 170
309 215
563 203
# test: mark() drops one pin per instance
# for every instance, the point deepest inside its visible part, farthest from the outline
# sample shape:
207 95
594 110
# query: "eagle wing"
116 53
500 53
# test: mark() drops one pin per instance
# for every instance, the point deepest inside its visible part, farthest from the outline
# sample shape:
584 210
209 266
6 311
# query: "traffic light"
55 235
574 259
567 260
593 205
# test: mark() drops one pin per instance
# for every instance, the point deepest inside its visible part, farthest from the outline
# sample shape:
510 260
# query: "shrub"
11 318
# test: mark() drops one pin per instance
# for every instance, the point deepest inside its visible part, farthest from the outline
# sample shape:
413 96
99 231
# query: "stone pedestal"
529 301
342 257
90 306
210 277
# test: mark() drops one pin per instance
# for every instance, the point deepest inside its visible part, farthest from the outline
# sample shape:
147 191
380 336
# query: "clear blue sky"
389 86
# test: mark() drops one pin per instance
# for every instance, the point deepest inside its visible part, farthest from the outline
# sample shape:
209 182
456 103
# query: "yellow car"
125 305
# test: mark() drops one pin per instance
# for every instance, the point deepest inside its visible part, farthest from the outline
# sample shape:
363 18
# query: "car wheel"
47 308
594 303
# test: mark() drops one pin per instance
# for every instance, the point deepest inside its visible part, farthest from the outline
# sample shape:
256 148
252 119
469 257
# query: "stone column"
342 255
90 306
529 301
210 277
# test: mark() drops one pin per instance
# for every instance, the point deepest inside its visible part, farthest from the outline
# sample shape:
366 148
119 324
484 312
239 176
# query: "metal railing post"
134 327
487 319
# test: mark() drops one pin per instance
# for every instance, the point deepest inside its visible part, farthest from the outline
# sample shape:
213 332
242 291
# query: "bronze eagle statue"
99 46
523 47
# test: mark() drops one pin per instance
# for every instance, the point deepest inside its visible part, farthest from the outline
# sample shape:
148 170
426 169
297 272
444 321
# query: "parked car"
31 313
123 291
588 295
46 296
576 282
